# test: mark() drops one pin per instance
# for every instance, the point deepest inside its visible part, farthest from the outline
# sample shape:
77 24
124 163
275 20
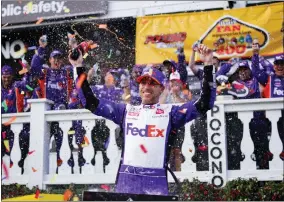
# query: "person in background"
176 137
198 128
125 85
56 84
197 71
273 84
108 91
169 66
134 86
247 87
13 100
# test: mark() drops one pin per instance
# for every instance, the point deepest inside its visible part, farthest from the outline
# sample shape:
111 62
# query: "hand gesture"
206 54
255 46
78 62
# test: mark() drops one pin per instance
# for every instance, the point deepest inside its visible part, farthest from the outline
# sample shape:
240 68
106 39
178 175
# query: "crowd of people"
57 82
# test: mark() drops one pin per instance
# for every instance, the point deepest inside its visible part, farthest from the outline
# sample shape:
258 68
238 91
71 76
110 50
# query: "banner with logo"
229 32
30 11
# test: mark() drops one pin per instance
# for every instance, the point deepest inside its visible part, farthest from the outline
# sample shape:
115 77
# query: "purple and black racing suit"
146 130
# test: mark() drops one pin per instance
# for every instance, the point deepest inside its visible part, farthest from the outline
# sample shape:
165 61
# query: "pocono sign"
217 146
14 49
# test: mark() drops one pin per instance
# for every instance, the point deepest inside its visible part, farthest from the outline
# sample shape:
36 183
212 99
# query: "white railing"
40 166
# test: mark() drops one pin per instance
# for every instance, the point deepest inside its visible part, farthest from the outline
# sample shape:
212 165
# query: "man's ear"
162 88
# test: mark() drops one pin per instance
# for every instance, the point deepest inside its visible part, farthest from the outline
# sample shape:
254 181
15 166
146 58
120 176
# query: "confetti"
5 25
4 105
143 148
4 134
7 145
71 132
5 169
66 10
92 17
81 80
202 148
144 21
37 193
103 26
11 120
93 46
85 56
128 96
3 178
67 195
39 21
23 71
53 178
105 187
110 53
31 152
190 150
29 88
29 6
34 170
86 140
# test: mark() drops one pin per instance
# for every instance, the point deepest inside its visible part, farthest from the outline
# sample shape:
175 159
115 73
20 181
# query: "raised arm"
181 66
38 58
104 108
182 114
258 73
196 71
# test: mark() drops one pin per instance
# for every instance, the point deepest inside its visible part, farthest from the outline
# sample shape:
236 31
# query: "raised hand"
255 46
206 54
78 62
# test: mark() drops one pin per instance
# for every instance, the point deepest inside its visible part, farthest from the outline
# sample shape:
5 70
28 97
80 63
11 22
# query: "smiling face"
7 80
175 86
279 68
150 90
244 73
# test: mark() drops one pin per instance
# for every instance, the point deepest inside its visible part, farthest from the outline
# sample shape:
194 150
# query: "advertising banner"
30 11
229 32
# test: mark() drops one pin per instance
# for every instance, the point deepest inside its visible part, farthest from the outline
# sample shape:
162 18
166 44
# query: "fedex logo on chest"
148 131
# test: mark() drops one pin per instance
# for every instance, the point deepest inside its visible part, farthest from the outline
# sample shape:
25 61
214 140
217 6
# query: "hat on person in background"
6 70
56 53
279 59
175 76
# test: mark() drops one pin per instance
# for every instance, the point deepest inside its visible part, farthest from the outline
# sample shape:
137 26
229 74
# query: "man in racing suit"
146 127
273 83
56 84
246 87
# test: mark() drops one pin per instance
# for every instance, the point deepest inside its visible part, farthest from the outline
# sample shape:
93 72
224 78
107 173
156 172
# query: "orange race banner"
229 32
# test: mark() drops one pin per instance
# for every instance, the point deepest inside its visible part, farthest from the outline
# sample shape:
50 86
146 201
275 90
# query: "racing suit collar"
153 106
